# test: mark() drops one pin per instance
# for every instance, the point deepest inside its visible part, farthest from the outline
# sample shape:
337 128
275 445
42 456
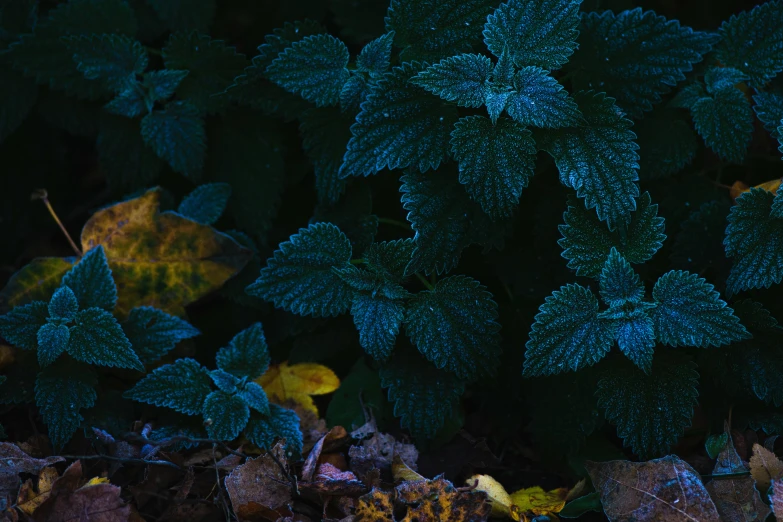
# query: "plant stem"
358 261
44 196
424 281
394 222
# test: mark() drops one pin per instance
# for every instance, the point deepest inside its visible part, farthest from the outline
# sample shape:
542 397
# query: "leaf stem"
358 261
394 222
720 476
424 281
44 196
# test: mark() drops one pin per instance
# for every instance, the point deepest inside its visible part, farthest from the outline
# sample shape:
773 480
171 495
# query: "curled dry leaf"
776 498
29 498
532 501
402 472
14 461
259 486
379 451
764 467
298 382
498 497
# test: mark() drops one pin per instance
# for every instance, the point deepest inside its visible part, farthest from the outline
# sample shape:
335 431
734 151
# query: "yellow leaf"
29 500
95 481
739 188
764 467
36 281
298 383
402 472
539 502
499 499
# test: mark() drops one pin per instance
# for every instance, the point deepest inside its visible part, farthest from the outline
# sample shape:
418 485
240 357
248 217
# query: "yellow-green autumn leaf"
298 383
36 281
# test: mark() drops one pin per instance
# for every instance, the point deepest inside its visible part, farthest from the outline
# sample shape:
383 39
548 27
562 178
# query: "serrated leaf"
769 109
752 42
281 423
129 102
53 341
586 241
777 204
91 281
355 90
206 203
375 56
636 56
667 143
496 103
153 333
540 33
36 281
182 386
247 354
619 283
314 67
185 15
717 78
423 396
299 277
599 159
325 134
400 125
224 381
754 239
352 214
463 79
111 58
691 313
389 258
97 338
128 163
650 411
161 85
255 397
725 121
496 161
431 30
635 335
567 334
63 305
20 326
176 134
540 101
60 395
455 326
225 415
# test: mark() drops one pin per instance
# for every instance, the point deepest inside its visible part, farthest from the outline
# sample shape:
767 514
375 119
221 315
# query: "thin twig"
44 196
121 460
424 281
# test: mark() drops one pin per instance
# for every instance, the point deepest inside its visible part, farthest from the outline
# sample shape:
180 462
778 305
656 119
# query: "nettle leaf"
161 85
599 159
225 415
619 283
206 203
325 135
176 134
182 386
353 215
586 241
60 393
299 277
20 326
355 90
541 33
63 305
375 57
153 333
431 30
636 56
635 335
53 341
247 355
129 102
496 161
255 397
389 258
111 58
725 121
91 281
97 338
455 326
691 313
463 79
667 143
567 334
128 162
717 78
650 411
315 68
400 125
769 109
281 423
752 42
185 15
540 101
224 381
423 396
754 239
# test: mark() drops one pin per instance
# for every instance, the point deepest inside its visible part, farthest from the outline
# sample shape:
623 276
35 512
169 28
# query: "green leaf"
586 241
619 283
584 504
752 42
359 392
176 134
400 125
224 381
389 258
636 56
63 305
667 143
715 444
455 326
314 67
540 101
130 102
717 78
281 423
255 397
53 340
635 335
206 203
496 161
567 334
430 30
777 203
353 215
769 109
754 239
423 396
725 121
691 313
20 326
97 338
375 57
247 354
153 333
185 15
111 58
325 134
182 386
128 162
299 277
463 79
161 85
650 411
18 95
599 159
60 393
535 32
91 281
355 90
211 67
225 415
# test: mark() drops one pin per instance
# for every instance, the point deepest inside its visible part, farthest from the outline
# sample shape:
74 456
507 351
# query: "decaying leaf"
14 461
36 281
298 382
375 506
379 451
533 501
739 188
498 497
661 489
539 502
776 498
259 486
764 467
30 498
401 471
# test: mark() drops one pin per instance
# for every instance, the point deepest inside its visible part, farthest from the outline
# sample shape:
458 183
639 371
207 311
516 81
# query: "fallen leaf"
30 499
739 188
777 499
539 502
36 281
498 497
379 451
330 480
764 467
14 461
437 500
375 506
260 486
401 471
661 489
335 436
298 382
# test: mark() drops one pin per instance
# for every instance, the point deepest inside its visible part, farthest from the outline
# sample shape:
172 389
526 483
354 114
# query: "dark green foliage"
667 143
91 281
206 203
182 386
247 355
97 338
281 423
154 333
185 15
325 133
375 57
60 394
110 58
176 134
225 415
463 79
20 326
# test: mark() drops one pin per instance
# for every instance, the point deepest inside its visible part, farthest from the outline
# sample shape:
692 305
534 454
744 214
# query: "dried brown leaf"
334 438
260 482
378 452
29 498
764 467
14 461
439 501
736 498
97 501
777 499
